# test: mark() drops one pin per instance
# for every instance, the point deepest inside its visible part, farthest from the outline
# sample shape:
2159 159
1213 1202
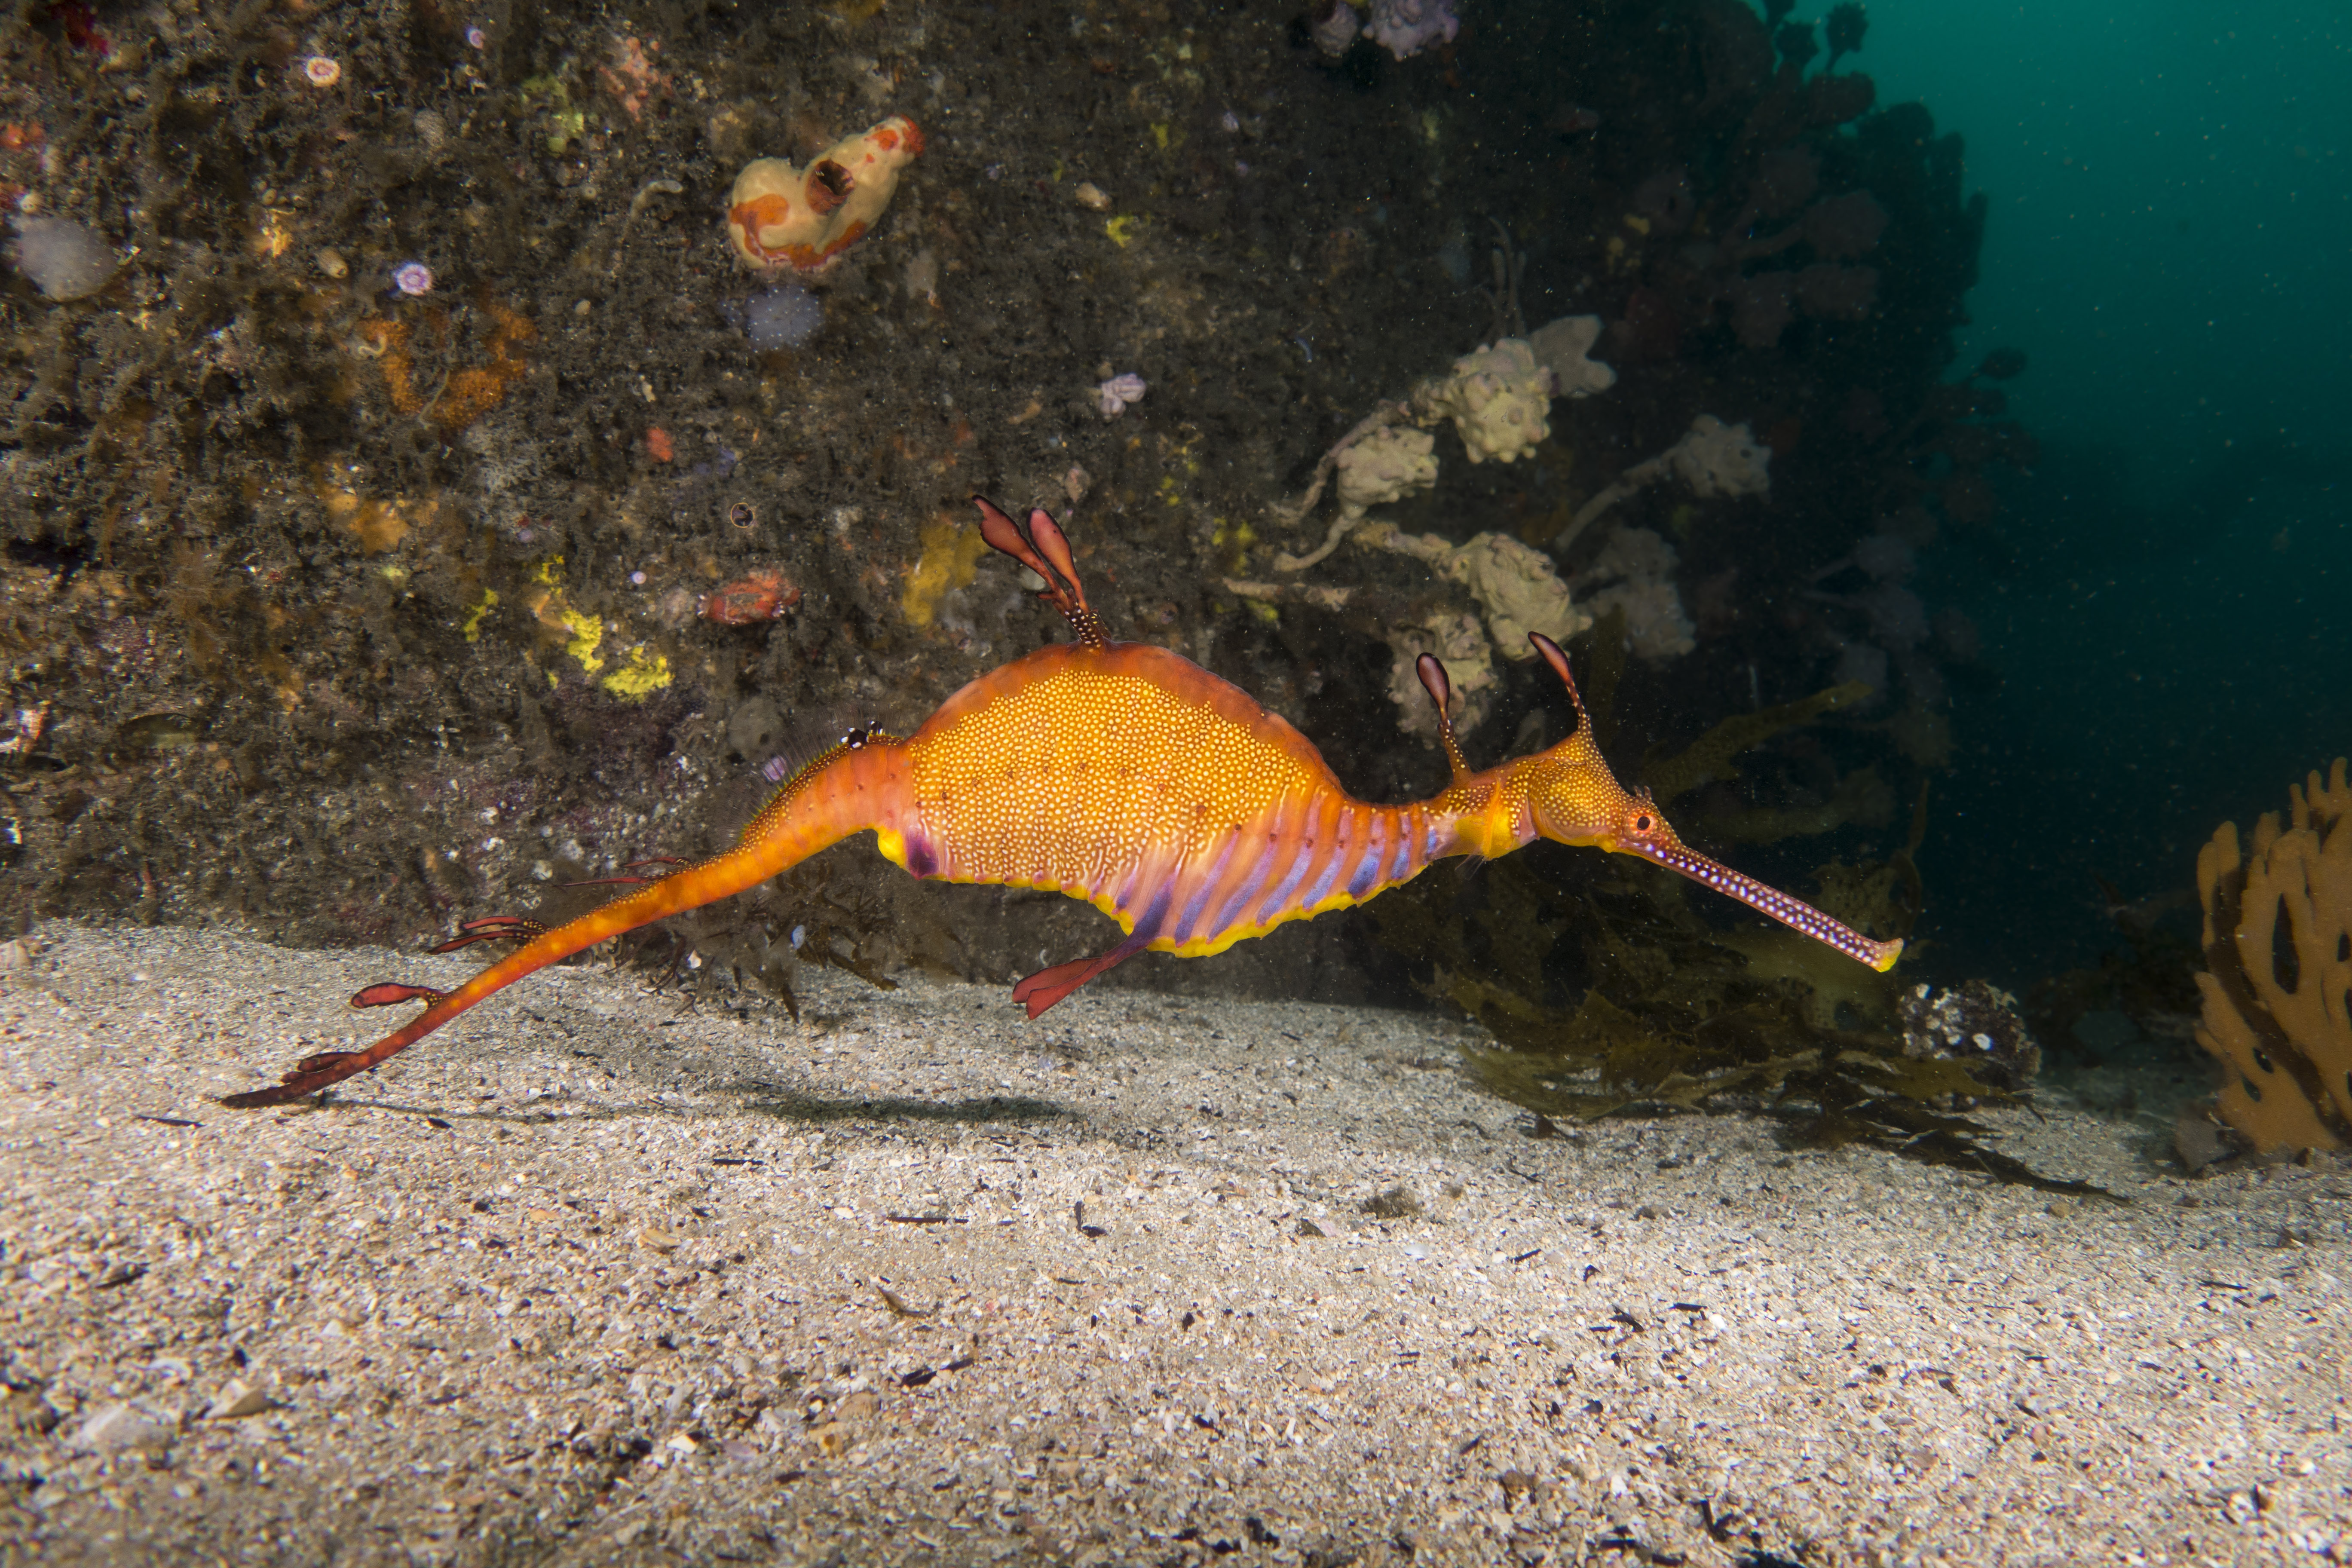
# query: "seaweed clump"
1675 1015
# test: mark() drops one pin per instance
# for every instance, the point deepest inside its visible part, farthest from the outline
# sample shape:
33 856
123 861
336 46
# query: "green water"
2171 242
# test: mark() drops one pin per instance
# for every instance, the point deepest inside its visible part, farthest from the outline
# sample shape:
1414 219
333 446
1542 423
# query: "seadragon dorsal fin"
1559 662
1043 548
1440 692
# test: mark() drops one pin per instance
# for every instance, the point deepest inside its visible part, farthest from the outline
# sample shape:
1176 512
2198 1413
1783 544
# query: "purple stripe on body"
1279 859
922 861
1402 867
1252 885
1193 907
1146 926
1302 854
1321 888
1367 867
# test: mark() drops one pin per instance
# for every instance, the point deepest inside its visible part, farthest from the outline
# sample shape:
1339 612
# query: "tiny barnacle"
413 277
322 70
742 514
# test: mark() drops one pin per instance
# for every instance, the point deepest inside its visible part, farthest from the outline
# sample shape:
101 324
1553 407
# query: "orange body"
1125 776
1130 777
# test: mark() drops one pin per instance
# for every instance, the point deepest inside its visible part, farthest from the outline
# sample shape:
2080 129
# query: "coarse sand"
593 1276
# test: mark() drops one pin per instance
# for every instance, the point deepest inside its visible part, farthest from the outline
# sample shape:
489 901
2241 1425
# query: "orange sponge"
2278 949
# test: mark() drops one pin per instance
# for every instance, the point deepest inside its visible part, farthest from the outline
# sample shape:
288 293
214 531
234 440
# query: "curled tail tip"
299 1085
261 1099
303 1079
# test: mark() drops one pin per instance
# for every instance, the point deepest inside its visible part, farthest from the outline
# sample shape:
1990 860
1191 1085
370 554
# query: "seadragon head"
1573 797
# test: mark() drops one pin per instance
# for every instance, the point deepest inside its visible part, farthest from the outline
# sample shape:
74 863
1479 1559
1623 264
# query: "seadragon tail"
854 785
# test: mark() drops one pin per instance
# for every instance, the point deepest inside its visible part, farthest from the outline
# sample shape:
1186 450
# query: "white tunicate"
1498 399
64 259
784 317
1636 554
1384 467
1718 459
1656 626
1564 348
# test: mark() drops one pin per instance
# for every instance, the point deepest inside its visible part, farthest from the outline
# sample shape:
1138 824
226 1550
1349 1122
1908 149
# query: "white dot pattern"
1111 787
1086 781
1795 913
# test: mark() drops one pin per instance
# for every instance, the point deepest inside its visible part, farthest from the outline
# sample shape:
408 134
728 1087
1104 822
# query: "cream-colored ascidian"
1498 399
1718 459
1386 466
1564 348
1518 592
780 215
1638 565
1469 660
1517 586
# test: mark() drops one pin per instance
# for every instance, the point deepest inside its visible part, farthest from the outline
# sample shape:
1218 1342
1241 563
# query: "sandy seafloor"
588 1279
